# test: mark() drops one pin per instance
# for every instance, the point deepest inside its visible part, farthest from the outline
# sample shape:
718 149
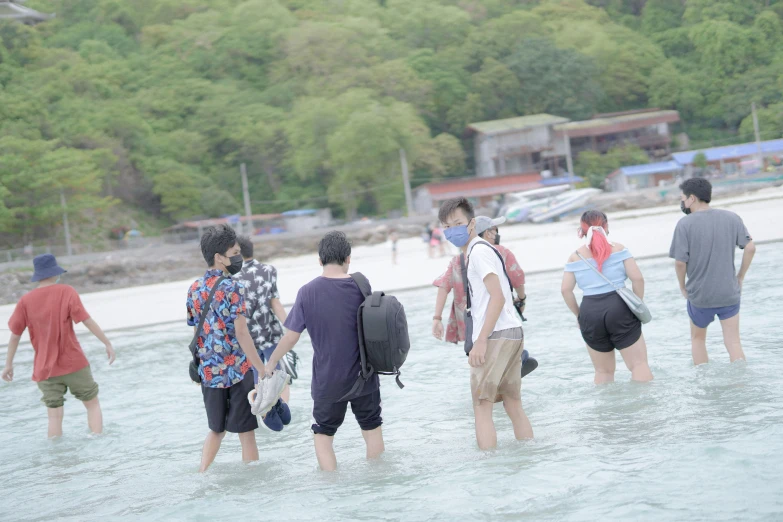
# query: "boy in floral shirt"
225 347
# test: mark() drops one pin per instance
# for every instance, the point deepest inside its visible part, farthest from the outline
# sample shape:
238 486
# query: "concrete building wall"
512 152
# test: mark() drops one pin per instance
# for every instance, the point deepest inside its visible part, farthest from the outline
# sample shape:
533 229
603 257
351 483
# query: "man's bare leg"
486 436
699 345
249 446
286 395
211 447
55 421
522 428
731 338
605 365
635 357
324 452
374 441
94 415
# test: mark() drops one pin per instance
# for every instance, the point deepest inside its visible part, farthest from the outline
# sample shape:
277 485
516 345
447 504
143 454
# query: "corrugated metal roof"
513 124
622 123
651 168
729 152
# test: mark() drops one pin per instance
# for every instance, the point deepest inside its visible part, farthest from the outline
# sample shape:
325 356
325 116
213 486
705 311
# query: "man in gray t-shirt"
703 248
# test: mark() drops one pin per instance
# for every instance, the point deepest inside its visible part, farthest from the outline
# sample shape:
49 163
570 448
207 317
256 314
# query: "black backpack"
383 335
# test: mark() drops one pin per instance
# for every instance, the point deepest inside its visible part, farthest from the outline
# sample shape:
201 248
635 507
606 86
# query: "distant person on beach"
452 280
226 349
326 307
436 242
703 248
393 239
264 313
59 365
606 322
496 355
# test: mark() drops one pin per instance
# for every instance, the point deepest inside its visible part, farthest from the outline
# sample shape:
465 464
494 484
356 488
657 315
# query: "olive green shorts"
81 384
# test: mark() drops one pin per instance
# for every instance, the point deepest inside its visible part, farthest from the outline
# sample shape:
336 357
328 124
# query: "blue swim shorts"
702 317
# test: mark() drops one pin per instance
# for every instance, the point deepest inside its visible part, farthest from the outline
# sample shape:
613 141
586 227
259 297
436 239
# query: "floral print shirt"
451 280
223 363
260 283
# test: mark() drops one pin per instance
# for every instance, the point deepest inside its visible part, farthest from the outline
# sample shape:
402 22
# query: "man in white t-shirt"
496 355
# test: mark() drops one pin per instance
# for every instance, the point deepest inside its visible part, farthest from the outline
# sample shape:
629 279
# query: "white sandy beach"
647 233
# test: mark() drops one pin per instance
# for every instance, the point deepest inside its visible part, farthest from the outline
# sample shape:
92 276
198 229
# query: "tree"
770 124
671 89
725 48
700 161
596 166
33 173
552 80
426 25
661 15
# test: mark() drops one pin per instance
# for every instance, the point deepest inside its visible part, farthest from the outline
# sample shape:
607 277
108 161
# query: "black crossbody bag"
466 284
195 361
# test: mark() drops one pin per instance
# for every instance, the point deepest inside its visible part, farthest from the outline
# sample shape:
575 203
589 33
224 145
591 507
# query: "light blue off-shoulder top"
593 284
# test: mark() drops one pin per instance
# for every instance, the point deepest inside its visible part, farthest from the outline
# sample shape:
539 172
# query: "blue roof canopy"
729 152
550 182
299 213
651 168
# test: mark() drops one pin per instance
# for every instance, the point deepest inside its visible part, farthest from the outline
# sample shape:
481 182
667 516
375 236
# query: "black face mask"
236 264
497 239
685 210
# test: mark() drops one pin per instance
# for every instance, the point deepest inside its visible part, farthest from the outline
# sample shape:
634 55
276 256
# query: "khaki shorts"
501 374
81 384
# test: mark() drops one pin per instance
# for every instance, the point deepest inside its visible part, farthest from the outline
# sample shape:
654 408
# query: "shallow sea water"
700 443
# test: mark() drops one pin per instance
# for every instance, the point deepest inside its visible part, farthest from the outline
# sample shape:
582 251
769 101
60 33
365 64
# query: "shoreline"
538 248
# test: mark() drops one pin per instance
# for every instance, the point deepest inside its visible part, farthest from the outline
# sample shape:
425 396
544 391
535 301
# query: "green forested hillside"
155 103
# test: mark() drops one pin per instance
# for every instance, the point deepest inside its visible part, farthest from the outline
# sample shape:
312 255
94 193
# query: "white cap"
483 223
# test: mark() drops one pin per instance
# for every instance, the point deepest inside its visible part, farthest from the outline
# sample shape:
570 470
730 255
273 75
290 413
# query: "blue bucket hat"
45 267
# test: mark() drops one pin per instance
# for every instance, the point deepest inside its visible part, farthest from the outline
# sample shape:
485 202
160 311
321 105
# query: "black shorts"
607 323
330 415
228 408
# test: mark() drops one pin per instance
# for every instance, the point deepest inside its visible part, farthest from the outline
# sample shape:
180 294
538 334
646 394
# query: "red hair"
599 246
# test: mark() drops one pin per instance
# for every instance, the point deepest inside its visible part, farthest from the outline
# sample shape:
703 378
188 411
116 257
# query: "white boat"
563 204
521 205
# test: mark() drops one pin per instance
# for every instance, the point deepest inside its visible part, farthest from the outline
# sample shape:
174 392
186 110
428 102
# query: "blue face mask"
458 236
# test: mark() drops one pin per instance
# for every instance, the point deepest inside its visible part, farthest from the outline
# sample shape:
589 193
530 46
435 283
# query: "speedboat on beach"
563 204
521 205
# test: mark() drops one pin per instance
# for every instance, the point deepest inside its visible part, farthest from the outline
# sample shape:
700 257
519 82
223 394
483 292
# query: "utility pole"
759 154
68 246
407 182
569 161
246 193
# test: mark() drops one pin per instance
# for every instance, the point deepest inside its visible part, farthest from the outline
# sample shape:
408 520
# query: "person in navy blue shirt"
326 307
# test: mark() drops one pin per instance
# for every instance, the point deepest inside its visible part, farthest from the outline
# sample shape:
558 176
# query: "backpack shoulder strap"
363 283
465 283
204 313
502 263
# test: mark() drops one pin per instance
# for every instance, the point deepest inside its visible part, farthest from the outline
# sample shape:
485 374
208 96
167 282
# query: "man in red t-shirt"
59 364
